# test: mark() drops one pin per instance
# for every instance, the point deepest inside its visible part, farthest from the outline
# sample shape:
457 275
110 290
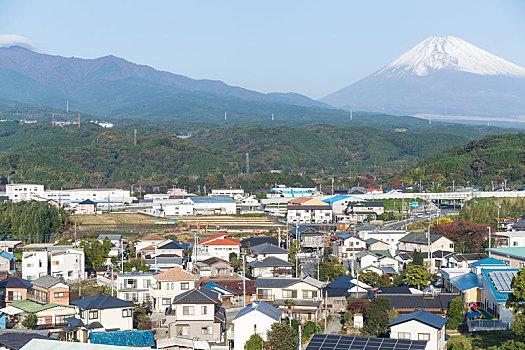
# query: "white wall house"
391 237
135 286
212 205
218 246
23 192
420 325
510 239
34 265
230 192
69 264
309 214
256 318
171 207
168 285
347 246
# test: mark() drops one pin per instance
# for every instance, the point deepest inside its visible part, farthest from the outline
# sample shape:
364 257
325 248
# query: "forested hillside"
491 158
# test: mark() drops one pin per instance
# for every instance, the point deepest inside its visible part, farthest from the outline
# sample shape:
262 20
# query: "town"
232 271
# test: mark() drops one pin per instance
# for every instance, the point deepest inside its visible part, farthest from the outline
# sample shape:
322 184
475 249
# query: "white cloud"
15 40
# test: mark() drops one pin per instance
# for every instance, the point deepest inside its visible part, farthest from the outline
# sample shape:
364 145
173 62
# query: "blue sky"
310 47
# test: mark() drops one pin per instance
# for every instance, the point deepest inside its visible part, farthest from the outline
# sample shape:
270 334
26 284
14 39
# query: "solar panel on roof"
502 280
345 342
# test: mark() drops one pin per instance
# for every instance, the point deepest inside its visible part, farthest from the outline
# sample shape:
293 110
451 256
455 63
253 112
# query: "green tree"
309 329
371 278
416 276
289 303
29 321
455 313
509 345
254 343
516 303
376 317
282 337
417 258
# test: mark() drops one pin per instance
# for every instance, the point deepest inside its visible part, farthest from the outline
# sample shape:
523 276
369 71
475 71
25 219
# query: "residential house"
458 260
86 207
232 292
99 312
219 246
7 262
171 247
375 244
336 342
135 286
309 211
10 246
265 250
256 318
34 264
44 343
229 192
69 264
49 290
116 240
392 237
337 292
168 285
13 289
164 263
513 257
420 325
418 241
406 303
50 314
149 240
218 267
24 340
363 211
380 260
196 313
495 292
248 204
339 203
306 294
271 267
258 240
346 246
212 205
510 239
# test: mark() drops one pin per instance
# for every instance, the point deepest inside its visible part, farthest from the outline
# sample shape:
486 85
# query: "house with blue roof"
7 262
420 325
496 290
513 257
133 338
256 318
336 292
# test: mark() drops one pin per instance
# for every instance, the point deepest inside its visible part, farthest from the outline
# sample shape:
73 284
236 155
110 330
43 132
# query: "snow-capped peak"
451 53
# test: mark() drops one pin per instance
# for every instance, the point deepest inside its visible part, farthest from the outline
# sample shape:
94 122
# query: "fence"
487 325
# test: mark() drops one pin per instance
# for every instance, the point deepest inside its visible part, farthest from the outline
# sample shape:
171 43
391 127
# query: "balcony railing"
487 325
265 297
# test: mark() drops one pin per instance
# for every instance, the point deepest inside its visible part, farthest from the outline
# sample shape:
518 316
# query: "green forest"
31 221
492 158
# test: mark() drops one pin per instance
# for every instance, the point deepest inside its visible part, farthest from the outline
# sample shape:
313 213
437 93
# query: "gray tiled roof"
419 238
47 281
275 282
267 248
101 302
197 296
269 262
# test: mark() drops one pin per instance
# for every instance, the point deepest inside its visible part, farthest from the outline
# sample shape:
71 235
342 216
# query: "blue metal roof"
101 302
501 297
388 269
467 281
214 286
336 198
489 262
341 282
8 255
135 338
422 316
262 307
212 199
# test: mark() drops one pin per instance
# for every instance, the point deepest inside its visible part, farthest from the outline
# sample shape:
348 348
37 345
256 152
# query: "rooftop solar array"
502 280
346 342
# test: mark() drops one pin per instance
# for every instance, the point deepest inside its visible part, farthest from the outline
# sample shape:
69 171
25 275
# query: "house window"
188 310
173 286
264 294
204 310
81 313
147 283
289 294
423 336
309 294
183 330
60 320
93 315
185 286
14 296
41 320
166 301
54 262
59 294
127 313
206 330
403 335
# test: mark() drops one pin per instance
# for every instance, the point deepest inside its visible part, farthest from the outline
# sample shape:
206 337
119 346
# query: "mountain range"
441 76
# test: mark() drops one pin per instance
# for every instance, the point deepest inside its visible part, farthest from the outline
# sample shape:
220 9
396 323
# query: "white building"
34 265
230 192
291 192
168 285
97 195
218 246
23 192
510 239
256 318
135 286
420 325
212 205
70 264
171 207
391 237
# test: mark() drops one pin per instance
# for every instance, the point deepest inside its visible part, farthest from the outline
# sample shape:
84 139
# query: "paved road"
334 324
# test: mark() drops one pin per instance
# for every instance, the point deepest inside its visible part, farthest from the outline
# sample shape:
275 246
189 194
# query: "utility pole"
429 254
111 280
325 311
79 283
122 254
490 240
497 227
279 237
247 163
135 137
243 280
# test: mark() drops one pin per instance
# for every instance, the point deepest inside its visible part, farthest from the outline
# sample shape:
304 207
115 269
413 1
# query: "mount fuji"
444 77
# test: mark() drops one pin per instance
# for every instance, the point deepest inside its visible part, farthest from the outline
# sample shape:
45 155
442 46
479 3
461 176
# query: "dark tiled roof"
87 201
220 314
419 238
215 260
422 316
267 248
134 338
395 290
74 322
276 282
341 282
17 340
101 302
197 296
14 282
343 342
94 325
235 286
46 281
258 240
270 262
471 256
172 244
419 301
303 229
